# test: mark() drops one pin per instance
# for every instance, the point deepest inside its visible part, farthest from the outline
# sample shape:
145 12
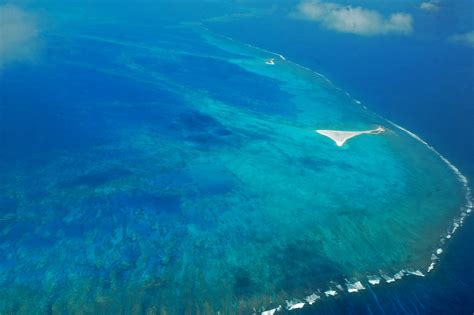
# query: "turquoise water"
181 173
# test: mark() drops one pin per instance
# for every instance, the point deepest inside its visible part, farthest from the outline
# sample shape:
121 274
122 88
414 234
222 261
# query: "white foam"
439 251
455 227
357 101
431 267
294 305
312 298
373 280
354 287
272 311
390 280
399 274
417 273
330 293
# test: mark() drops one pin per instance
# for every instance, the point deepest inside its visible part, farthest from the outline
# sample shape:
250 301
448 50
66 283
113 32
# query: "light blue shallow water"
181 173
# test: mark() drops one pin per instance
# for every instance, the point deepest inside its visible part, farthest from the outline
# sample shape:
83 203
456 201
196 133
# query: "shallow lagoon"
184 174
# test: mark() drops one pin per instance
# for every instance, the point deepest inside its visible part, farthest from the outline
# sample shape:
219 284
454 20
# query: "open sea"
160 157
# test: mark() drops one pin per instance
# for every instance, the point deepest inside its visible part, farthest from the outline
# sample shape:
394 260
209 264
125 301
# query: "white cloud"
432 5
355 20
428 6
18 34
465 38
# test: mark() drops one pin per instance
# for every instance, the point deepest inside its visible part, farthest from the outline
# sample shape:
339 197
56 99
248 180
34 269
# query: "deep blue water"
109 146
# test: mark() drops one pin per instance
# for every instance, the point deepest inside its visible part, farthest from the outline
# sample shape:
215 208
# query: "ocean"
162 158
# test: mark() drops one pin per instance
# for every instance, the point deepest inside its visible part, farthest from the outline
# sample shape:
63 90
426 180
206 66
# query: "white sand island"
340 137
270 61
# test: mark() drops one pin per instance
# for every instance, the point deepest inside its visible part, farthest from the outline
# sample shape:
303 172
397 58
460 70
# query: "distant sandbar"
340 137
270 61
